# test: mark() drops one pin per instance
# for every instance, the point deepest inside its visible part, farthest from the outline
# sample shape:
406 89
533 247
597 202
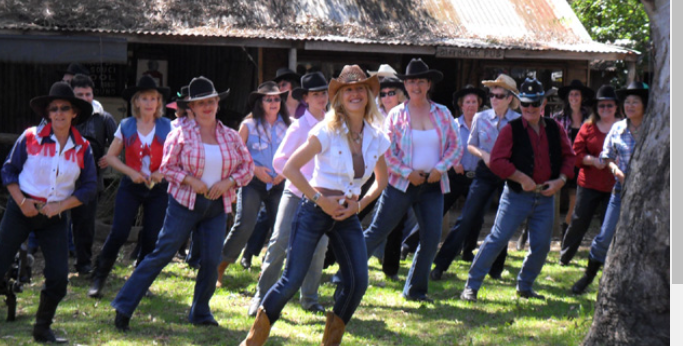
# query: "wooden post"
292 59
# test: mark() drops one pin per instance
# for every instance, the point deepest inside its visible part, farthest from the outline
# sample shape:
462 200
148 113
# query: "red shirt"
589 141
501 153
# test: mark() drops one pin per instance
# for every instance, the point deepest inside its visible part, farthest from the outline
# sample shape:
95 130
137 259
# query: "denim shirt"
485 128
263 141
468 161
619 145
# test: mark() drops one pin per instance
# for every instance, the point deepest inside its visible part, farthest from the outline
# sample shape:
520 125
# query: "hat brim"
392 84
587 93
255 95
463 92
287 76
129 92
623 93
298 93
184 103
370 82
499 84
40 103
529 99
434 75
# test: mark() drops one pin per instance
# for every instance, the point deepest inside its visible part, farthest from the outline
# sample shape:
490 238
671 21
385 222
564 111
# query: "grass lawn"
383 318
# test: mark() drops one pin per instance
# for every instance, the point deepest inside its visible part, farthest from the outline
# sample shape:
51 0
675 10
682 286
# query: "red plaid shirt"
184 154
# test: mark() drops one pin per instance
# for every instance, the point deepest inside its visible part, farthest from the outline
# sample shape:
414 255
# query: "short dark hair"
82 81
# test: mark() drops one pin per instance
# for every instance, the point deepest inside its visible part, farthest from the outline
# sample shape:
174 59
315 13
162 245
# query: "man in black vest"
534 155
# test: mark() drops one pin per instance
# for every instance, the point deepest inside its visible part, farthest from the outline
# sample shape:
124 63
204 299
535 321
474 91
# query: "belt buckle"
539 188
470 174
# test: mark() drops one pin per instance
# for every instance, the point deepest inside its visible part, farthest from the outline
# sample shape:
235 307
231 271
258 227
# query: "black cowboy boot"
46 311
100 276
591 270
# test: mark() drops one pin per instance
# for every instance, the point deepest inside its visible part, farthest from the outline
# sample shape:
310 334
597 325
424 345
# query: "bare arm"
479 153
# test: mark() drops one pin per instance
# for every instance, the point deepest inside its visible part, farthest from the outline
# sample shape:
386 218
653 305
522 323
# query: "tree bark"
633 301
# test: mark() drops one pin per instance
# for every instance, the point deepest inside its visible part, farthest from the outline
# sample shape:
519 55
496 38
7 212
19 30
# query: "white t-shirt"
426 150
213 164
144 140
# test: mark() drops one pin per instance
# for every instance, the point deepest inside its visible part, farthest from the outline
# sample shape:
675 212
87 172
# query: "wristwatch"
316 197
563 178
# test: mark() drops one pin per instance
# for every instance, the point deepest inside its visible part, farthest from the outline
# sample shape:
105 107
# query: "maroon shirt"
501 153
589 141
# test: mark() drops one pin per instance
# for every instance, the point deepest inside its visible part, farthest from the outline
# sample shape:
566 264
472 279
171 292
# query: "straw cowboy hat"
384 71
314 81
418 69
201 88
506 82
353 75
61 91
145 83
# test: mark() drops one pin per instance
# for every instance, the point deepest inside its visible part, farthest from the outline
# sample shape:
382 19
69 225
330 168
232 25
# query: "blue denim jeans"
514 209
601 242
347 243
249 199
427 202
129 198
51 236
277 251
258 236
482 189
207 219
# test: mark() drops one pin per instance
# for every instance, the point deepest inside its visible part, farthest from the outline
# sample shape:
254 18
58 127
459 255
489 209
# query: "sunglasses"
498 96
532 104
390 93
271 100
57 109
606 106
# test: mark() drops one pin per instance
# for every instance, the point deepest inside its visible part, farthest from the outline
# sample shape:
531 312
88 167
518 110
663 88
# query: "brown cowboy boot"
258 334
221 270
334 330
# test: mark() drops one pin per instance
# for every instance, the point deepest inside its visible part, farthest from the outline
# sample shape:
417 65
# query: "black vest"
523 154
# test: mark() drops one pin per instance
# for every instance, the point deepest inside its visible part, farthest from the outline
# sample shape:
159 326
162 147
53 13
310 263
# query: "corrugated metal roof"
497 24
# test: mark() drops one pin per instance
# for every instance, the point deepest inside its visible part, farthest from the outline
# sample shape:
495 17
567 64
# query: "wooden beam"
563 55
368 48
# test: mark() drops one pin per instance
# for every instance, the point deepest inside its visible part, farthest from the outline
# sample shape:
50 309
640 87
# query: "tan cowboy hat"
383 72
352 75
506 82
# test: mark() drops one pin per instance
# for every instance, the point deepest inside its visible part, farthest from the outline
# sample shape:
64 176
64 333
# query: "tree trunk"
633 302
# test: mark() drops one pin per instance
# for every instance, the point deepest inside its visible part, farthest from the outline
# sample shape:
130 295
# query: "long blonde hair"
337 114
160 102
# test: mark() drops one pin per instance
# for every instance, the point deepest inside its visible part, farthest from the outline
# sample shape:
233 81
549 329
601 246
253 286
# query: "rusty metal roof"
498 24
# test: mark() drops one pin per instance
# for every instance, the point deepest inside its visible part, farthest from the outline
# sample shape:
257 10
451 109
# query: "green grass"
383 318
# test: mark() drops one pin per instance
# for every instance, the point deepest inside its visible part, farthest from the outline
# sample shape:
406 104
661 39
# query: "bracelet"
358 212
22 202
563 178
234 183
316 197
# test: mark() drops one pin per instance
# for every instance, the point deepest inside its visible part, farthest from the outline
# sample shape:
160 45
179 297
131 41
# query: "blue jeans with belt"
208 220
277 251
601 242
347 243
249 200
427 202
514 209
51 236
129 198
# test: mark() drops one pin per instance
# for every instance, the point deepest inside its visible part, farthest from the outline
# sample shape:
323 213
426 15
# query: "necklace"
357 137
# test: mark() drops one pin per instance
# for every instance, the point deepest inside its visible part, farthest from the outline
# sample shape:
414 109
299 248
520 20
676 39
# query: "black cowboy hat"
285 73
606 92
201 88
269 88
468 89
390 82
635 88
62 91
74 69
418 69
314 81
145 83
586 92
531 91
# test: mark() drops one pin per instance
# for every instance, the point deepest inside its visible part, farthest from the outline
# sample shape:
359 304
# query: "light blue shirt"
468 161
486 126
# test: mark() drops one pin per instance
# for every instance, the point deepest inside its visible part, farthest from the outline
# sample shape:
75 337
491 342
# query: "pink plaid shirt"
399 157
184 154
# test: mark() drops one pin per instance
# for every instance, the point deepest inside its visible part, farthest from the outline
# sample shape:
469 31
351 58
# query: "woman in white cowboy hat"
424 145
141 139
49 171
577 99
262 131
616 153
204 162
346 148
313 92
